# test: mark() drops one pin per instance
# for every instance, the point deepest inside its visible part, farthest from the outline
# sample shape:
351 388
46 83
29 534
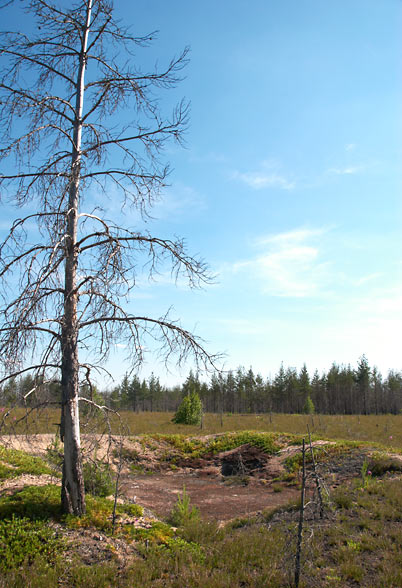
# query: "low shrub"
182 511
342 498
101 575
179 548
54 454
23 540
33 502
22 463
99 514
137 469
277 488
379 465
126 453
98 479
237 480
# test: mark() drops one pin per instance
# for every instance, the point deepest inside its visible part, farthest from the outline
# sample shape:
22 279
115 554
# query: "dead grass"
379 429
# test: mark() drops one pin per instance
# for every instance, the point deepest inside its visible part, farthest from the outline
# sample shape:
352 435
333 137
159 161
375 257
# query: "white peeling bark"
73 493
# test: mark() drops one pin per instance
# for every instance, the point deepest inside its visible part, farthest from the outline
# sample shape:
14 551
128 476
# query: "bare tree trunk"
73 492
301 520
316 477
116 489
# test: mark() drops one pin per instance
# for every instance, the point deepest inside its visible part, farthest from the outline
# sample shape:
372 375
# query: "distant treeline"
342 390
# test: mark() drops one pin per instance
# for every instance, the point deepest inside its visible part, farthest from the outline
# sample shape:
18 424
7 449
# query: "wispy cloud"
346 171
259 180
179 199
385 303
370 323
268 175
350 147
369 278
290 237
291 264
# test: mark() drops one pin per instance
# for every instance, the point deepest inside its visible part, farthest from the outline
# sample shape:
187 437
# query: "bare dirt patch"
12 485
230 484
214 499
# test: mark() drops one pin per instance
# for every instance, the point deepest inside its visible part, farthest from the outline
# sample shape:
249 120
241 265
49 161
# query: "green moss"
194 447
264 441
6 472
22 463
33 502
157 532
43 502
99 514
134 510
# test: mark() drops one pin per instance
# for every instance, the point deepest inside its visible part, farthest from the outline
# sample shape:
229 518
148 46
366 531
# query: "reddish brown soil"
235 483
213 497
232 484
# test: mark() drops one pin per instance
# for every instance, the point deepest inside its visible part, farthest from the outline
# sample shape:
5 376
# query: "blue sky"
290 182
289 185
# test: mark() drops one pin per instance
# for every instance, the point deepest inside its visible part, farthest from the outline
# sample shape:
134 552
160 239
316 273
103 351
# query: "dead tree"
316 477
81 125
301 518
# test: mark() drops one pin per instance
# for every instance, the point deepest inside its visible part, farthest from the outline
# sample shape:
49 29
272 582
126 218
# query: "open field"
383 429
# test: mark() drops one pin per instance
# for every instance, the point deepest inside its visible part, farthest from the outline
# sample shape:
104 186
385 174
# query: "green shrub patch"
22 463
23 540
33 502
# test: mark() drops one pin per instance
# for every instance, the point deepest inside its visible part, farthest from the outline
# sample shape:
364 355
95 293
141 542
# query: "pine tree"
363 374
190 410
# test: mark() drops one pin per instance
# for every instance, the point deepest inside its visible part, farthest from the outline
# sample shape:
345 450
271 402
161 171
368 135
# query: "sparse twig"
116 491
301 519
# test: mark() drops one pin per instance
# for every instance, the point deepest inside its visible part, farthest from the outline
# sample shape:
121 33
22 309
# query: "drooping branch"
39 102
197 270
173 338
37 368
36 61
